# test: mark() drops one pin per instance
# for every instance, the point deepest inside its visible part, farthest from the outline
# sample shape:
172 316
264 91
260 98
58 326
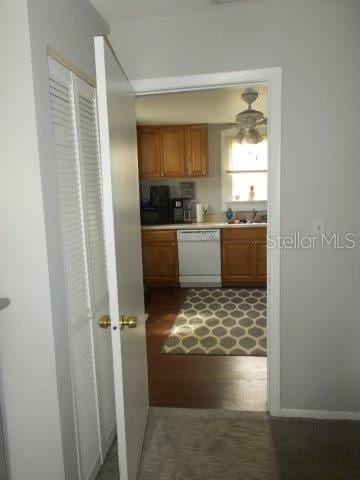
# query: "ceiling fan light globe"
240 137
254 137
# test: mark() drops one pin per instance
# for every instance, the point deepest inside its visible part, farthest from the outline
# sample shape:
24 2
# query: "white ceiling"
118 12
125 11
203 106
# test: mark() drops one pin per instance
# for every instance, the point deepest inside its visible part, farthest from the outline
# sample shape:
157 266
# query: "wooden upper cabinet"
172 151
196 150
149 144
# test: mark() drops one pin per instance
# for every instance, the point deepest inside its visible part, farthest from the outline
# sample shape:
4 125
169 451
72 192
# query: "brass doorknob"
104 321
130 321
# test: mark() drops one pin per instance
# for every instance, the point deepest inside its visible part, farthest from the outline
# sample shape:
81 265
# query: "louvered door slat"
93 204
63 109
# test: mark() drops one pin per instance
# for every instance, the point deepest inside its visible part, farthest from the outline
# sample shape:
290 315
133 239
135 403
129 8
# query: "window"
244 170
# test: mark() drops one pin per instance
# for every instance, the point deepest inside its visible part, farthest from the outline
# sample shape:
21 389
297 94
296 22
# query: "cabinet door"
260 261
149 152
160 263
237 260
196 150
172 152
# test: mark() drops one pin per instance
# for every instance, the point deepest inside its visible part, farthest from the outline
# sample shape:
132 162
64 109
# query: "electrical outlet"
319 227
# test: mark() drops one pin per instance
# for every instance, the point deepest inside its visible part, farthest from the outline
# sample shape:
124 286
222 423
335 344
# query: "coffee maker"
180 210
177 210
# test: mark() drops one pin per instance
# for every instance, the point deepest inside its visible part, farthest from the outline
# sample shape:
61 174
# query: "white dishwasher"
199 258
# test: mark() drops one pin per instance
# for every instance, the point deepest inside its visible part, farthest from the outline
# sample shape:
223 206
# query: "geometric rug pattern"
220 321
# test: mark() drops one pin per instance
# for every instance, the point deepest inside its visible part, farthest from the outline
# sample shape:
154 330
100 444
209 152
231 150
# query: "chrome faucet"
254 213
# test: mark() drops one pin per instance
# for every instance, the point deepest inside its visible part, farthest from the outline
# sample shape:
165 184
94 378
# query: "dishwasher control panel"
208 235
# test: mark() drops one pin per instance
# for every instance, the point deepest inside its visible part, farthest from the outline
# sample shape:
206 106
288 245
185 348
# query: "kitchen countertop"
202 226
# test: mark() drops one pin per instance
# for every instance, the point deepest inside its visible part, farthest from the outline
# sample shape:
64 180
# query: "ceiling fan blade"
263 122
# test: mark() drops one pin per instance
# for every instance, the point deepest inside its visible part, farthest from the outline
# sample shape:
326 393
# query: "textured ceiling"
204 106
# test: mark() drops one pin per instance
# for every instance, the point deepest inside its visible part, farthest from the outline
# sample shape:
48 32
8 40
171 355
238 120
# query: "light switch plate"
319 227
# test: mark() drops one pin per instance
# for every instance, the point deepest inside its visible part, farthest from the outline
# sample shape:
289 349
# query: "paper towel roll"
199 213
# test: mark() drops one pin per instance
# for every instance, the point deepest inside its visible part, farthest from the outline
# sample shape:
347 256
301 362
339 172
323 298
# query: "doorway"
272 79
201 83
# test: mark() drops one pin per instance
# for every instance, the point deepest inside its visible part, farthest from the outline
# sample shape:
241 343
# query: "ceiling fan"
249 120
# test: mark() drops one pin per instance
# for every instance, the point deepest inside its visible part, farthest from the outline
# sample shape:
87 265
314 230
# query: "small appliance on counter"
187 194
180 210
157 211
201 211
155 216
187 214
160 196
177 210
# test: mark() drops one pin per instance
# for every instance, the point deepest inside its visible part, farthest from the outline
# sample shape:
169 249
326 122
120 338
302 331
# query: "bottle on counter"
229 215
252 193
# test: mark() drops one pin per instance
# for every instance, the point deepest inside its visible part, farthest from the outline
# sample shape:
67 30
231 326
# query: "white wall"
28 389
68 27
34 363
318 48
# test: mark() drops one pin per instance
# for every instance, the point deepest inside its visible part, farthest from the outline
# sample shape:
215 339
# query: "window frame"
226 180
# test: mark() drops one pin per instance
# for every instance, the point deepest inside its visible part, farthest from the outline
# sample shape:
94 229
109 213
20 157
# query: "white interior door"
118 144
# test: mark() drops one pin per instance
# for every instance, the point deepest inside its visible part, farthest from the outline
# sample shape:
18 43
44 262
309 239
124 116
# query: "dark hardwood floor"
197 381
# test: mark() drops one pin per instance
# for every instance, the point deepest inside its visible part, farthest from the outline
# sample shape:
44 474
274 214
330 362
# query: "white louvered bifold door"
85 98
79 312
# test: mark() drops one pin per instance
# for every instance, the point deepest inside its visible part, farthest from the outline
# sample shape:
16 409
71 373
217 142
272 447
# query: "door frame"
273 78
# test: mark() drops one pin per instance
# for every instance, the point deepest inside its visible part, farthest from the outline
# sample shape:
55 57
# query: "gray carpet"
185 444
110 469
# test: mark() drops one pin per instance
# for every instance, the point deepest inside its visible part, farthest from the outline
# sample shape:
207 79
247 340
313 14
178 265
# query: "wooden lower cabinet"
243 258
160 258
260 260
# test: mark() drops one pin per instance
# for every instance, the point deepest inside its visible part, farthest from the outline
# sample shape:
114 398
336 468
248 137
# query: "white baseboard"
319 414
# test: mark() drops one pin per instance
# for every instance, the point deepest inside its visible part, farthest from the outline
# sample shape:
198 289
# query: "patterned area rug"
220 321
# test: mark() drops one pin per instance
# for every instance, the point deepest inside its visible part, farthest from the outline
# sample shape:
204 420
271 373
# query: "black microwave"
160 196
155 216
